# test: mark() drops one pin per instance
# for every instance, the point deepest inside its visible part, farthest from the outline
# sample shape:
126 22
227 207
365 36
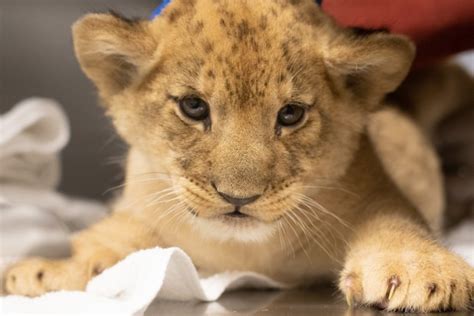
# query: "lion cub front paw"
422 281
36 276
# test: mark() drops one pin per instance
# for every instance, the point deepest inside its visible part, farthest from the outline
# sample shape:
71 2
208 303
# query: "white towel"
35 219
31 135
129 287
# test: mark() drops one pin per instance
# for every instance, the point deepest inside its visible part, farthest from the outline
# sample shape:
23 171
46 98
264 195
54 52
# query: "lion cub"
250 149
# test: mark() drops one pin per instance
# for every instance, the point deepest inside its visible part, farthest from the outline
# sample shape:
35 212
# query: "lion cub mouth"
236 214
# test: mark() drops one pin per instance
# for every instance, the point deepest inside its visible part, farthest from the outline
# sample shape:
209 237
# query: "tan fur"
329 202
412 165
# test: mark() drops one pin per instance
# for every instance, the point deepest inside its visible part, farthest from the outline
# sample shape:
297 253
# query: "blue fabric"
165 3
160 8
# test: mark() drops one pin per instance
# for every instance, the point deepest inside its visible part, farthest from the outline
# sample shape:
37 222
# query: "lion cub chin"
260 140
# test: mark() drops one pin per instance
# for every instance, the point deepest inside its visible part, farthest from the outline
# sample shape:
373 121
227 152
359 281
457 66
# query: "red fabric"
438 27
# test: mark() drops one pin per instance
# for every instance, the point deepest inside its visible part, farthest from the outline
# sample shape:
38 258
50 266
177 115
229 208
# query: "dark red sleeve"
438 27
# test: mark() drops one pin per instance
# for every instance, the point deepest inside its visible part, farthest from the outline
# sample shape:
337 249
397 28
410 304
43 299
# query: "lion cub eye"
194 108
290 114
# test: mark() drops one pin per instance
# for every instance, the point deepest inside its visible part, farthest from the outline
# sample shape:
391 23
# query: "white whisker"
297 236
317 234
322 208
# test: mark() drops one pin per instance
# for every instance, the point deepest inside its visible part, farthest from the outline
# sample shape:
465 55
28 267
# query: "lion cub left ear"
370 65
112 51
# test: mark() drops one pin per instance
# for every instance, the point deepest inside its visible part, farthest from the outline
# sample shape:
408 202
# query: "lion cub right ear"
112 51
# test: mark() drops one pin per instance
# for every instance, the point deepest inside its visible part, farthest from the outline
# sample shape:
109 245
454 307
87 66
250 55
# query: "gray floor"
272 303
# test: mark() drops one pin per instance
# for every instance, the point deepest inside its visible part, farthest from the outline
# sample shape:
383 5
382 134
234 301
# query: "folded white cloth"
35 219
129 287
39 222
31 136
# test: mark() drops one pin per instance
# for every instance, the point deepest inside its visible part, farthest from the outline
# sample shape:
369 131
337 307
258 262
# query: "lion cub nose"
238 201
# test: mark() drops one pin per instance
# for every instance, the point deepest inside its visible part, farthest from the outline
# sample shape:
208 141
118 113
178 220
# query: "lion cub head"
244 104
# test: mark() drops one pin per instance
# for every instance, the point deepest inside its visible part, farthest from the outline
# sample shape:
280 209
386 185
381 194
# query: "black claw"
432 288
381 305
97 270
39 275
453 288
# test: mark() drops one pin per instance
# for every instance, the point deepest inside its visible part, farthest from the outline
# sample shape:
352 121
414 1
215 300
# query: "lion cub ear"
370 65
112 51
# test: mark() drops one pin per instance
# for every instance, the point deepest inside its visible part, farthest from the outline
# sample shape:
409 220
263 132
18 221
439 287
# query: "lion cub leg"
394 264
93 250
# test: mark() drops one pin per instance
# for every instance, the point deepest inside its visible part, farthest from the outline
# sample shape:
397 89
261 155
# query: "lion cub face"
245 104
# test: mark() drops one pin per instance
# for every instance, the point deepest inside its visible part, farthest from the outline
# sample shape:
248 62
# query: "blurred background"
37 59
